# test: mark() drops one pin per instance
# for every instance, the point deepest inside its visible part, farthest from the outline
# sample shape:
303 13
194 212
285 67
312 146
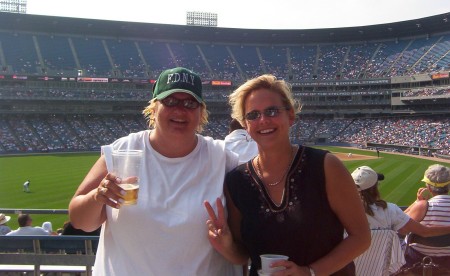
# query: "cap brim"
5 220
437 185
170 92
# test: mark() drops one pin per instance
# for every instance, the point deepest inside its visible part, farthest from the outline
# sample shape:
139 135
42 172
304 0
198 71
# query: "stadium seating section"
38 54
29 53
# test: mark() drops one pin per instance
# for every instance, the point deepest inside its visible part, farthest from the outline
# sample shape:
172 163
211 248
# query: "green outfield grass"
55 177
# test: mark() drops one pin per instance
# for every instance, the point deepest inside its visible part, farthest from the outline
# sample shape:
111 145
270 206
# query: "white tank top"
165 233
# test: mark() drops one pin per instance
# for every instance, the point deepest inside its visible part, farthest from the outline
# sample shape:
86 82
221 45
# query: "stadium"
68 86
390 76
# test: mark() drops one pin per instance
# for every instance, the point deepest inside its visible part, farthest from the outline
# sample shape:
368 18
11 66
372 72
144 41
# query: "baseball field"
55 177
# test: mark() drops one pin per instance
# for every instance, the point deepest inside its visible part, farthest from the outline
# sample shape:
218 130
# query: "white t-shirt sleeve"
399 218
232 160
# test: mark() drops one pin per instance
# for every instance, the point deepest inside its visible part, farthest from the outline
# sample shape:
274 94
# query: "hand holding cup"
109 192
127 166
268 259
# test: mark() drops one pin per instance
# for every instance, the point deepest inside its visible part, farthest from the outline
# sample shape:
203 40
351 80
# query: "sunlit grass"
55 177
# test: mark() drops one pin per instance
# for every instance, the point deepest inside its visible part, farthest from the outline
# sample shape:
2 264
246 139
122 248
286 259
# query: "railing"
48 254
67 254
33 211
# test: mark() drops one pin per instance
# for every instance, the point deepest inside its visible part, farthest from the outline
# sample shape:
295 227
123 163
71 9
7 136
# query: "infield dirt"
347 156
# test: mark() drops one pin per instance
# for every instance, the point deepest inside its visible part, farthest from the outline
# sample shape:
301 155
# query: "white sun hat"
47 226
4 219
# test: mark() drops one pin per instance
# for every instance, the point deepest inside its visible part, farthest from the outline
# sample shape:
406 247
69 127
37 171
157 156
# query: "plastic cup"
267 259
127 166
261 273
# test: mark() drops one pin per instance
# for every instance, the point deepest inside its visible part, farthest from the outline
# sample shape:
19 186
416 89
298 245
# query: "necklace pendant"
274 183
260 175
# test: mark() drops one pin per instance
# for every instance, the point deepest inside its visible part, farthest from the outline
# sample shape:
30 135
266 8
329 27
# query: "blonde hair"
238 97
149 115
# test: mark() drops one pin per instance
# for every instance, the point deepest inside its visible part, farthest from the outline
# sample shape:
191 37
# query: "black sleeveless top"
303 227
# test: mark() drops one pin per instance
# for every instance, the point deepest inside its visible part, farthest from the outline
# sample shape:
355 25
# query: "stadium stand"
66 90
275 60
303 62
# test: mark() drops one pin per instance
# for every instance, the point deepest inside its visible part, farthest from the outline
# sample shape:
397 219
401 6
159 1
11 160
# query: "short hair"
149 115
438 173
438 190
23 219
270 82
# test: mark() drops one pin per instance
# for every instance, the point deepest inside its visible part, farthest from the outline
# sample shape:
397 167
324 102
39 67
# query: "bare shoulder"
334 165
338 178
417 210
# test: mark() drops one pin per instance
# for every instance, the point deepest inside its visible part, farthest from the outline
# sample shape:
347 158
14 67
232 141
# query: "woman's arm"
419 208
346 203
234 222
87 207
423 230
224 234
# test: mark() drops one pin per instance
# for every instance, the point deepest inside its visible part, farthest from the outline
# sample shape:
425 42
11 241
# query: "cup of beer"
127 166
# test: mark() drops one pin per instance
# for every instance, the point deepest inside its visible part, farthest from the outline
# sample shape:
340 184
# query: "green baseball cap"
178 80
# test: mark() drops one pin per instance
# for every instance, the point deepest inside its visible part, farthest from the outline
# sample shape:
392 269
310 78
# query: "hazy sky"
248 14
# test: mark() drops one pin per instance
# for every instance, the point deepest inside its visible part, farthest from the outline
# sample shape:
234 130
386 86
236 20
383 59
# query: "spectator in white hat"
47 226
4 229
387 215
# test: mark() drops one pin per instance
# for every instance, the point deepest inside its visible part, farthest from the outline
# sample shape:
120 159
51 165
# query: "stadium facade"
64 81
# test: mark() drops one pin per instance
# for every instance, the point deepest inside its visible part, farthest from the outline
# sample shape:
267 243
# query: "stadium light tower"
207 19
14 6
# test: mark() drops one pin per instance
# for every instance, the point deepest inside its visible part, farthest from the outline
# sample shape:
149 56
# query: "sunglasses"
186 103
271 112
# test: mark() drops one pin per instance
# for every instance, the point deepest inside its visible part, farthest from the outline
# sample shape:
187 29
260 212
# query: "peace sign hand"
219 234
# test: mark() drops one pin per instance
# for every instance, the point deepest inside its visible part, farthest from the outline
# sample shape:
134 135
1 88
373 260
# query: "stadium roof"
92 27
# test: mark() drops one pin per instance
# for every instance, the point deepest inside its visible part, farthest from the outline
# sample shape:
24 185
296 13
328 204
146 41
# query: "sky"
248 14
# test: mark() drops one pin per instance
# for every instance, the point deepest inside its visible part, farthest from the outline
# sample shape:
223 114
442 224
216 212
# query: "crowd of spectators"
12 92
218 94
22 133
239 62
48 133
426 92
409 131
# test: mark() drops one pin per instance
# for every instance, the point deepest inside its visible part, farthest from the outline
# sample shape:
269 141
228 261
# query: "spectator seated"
384 256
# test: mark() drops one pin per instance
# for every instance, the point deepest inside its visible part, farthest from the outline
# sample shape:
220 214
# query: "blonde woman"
289 199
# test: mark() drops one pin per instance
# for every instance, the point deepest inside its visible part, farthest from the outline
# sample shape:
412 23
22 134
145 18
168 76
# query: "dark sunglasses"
272 111
186 103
